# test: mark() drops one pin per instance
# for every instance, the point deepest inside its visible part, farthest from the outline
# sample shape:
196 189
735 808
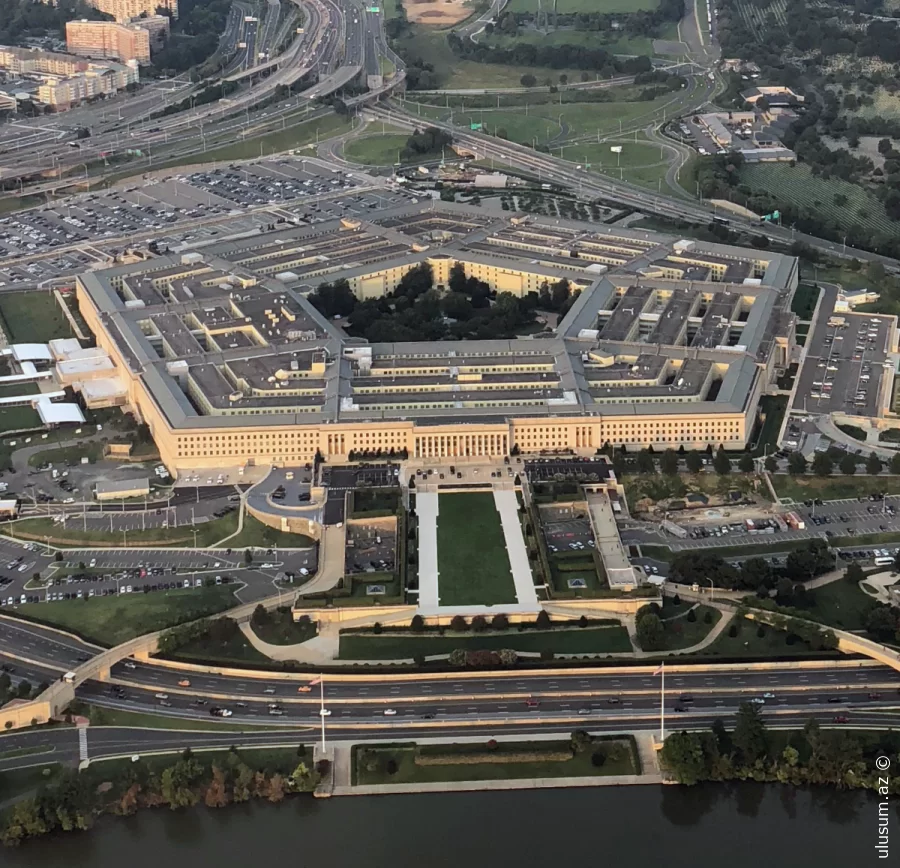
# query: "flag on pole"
315 681
659 669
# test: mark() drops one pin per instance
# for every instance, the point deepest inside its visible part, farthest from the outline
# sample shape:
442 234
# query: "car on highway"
757 700
840 718
162 695
768 696
532 703
184 683
389 712
304 688
325 712
874 696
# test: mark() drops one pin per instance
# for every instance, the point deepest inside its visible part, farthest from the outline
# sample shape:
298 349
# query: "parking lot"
547 469
182 210
574 535
370 548
844 363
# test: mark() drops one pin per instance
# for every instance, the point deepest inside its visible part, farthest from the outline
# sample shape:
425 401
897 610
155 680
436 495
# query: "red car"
531 703
874 696
840 718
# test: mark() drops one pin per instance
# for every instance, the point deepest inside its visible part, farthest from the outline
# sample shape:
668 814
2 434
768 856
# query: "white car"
162 695
227 712
389 712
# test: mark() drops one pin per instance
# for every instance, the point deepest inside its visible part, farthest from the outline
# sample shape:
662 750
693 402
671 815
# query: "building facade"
108 40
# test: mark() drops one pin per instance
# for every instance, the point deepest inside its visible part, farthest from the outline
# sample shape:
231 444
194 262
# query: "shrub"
500 622
692 616
598 758
583 621
760 631
377 628
391 766
417 624
459 624
676 600
542 621
708 618
479 624
733 631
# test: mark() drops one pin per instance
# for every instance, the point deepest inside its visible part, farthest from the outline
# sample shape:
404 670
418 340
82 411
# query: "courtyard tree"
745 463
873 464
796 464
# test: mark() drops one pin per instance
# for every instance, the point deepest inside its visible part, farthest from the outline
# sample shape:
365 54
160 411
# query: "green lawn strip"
841 604
32 317
69 455
772 409
21 418
473 565
25 751
19 782
208 533
658 553
602 7
102 716
406 646
805 298
680 633
853 431
618 758
12 390
748 643
279 628
376 149
236 650
255 534
112 620
801 488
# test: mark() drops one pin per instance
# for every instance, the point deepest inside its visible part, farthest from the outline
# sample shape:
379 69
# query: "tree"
749 736
745 463
756 573
771 463
500 622
668 462
854 573
722 463
528 80
796 464
458 624
822 464
881 623
848 464
806 562
873 464
650 632
580 741
895 463
248 556
542 621
645 463
417 623
694 462
479 624
684 756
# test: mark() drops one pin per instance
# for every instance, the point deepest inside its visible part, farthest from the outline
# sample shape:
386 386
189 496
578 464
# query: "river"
739 826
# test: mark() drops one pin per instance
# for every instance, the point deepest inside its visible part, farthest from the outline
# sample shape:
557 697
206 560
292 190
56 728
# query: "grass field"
377 149
841 604
885 105
406 646
119 717
255 534
611 41
833 487
748 642
70 455
798 186
681 633
32 317
641 162
236 650
604 7
112 620
472 560
620 759
18 782
208 533
805 299
19 418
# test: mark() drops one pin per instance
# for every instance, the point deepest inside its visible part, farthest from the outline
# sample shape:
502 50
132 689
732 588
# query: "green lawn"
681 633
406 646
841 604
279 628
32 317
208 533
747 642
112 620
19 419
70 455
833 487
235 650
19 782
10 390
255 534
640 162
619 758
772 409
586 570
612 41
603 7
472 561
377 149
120 717
854 431
805 299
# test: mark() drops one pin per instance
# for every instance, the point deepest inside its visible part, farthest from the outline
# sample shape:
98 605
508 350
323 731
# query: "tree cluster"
834 757
24 18
74 801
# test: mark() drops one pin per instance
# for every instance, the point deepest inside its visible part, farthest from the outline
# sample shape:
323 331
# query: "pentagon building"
670 342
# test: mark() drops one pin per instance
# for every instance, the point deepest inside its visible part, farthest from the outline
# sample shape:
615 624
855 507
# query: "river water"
740 826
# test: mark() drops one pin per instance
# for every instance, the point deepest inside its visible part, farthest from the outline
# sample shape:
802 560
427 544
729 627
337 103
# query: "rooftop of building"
213 339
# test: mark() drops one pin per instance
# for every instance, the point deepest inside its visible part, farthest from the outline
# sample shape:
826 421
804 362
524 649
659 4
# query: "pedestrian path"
427 512
508 506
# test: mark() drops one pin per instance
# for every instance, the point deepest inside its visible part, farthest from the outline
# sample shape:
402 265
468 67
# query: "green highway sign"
474 126
373 9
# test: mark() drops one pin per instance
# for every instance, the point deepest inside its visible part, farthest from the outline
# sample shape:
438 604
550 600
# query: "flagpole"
322 709
662 706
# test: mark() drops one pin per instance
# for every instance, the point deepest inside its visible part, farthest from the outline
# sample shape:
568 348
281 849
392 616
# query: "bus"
883 562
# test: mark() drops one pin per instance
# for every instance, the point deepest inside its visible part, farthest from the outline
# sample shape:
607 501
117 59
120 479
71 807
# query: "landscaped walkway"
427 513
508 507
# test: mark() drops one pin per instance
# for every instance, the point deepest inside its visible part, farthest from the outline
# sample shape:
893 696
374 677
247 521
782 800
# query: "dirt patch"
437 13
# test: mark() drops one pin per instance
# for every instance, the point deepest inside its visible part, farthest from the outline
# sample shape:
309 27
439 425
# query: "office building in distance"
670 342
124 10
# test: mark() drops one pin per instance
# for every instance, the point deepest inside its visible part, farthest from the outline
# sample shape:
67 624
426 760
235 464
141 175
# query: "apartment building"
108 40
64 92
124 10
